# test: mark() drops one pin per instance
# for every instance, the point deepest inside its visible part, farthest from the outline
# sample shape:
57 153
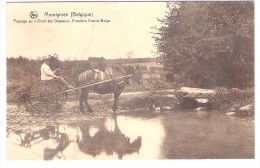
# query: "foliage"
226 99
208 44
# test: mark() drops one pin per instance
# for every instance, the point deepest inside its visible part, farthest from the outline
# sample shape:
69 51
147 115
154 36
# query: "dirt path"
18 119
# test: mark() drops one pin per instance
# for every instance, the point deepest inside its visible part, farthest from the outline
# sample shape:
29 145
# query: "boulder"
192 98
197 92
232 109
165 102
201 108
151 101
189 103
247 110
202 100
193 103
231 114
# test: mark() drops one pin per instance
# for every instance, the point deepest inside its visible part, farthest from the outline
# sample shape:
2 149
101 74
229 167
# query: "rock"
157 109
192 103
231 114
197 92
202 100
168 108
165 101
172 96
247 107
169 100
189 103
201 108
247 110
231 109
192 98
150 101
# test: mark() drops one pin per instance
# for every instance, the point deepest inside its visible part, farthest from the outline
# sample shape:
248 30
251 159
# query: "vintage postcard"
130 80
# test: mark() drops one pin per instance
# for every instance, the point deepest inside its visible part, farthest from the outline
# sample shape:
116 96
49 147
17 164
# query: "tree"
207 44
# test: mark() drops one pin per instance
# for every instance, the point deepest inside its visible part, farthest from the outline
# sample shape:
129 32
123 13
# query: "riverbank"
234 102
238 102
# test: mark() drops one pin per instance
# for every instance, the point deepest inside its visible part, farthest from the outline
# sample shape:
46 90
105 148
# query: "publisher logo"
33 14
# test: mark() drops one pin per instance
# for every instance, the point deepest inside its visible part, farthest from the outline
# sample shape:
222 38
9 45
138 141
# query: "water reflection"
170 135
118 137
63 142
108 141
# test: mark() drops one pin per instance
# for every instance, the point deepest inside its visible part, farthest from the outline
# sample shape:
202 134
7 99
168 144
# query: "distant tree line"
207 44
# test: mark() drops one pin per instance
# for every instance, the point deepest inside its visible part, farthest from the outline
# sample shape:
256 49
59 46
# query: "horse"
111 141
115 86
130 69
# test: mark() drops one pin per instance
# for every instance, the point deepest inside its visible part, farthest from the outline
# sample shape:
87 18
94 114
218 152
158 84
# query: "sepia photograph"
130 80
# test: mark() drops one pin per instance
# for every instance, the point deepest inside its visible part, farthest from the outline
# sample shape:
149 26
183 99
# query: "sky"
127 35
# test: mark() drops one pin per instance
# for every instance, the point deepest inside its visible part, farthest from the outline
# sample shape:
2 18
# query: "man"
48 74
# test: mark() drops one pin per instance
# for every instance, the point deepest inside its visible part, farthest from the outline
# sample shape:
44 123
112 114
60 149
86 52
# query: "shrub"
226 99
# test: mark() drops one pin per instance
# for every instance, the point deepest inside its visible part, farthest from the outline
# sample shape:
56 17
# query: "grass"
227 99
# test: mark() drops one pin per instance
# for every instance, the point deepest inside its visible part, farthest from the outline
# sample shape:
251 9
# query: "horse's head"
137 75
119 68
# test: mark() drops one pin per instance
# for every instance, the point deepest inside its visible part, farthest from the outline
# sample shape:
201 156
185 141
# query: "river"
139 135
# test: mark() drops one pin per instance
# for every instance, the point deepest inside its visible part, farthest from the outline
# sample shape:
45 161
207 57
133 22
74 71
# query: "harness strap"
102 75
111 73
96 75
85 76
120 82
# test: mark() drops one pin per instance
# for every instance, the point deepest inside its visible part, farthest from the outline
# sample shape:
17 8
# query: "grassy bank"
230 100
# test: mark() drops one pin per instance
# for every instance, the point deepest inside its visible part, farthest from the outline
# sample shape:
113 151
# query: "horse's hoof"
82 111
114 108
114 113
91 111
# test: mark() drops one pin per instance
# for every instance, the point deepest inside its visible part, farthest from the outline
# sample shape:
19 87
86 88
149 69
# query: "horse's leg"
89 109
116 96
81 98
117 93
